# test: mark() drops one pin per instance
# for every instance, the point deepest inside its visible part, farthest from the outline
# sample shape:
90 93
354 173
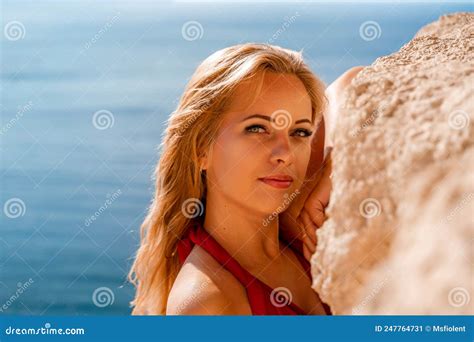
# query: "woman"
234 156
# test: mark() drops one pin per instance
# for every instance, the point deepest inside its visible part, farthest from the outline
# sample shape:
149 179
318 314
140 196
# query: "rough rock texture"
399 238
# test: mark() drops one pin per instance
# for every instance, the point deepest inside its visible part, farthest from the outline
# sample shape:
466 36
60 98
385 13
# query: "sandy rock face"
400 233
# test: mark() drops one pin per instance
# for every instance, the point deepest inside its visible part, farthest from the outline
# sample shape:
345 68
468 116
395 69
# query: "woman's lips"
279 183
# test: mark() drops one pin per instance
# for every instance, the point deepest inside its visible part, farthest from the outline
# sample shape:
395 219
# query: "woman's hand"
312 215
307 211
289 220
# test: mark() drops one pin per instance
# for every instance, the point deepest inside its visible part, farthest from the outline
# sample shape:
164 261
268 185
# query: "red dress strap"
197 235
259 294
297 246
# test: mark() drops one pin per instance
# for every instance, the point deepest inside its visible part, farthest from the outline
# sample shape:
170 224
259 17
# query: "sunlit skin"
247 148
307 212
250 146
238 201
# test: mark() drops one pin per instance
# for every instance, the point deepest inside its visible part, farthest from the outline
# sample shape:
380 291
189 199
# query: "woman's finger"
307 253
317 215
320 196
301 230
309 244
309 226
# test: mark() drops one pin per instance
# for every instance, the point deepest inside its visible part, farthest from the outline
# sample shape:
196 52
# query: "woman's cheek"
303 156
238 151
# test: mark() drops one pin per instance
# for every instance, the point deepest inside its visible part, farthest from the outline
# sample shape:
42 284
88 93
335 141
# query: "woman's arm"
201 303
306 212
335 96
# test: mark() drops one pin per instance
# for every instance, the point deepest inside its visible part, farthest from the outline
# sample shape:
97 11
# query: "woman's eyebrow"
265 117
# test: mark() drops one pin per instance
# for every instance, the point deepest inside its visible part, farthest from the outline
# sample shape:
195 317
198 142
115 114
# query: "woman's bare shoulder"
204 287
335 96
347 76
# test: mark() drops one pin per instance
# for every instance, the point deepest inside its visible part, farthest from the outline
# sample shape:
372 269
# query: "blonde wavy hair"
187 137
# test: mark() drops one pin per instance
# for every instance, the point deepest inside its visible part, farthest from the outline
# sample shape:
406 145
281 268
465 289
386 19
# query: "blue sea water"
129 60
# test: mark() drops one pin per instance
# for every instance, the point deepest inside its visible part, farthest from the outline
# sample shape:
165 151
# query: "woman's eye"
303 133
255 129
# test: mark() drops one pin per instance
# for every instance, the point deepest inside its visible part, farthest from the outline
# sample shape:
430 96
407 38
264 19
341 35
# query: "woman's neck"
241 231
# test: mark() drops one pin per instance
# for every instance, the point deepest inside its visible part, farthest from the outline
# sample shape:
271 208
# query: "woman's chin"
271 211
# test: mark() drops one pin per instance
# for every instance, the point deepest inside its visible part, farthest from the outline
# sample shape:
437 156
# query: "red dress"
262 300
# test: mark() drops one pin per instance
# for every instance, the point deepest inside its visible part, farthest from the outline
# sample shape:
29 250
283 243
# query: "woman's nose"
281 149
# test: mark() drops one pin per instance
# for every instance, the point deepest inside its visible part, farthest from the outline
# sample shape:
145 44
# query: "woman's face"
262 149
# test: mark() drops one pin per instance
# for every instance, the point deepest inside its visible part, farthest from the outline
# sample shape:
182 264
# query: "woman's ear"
205 158
203 162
